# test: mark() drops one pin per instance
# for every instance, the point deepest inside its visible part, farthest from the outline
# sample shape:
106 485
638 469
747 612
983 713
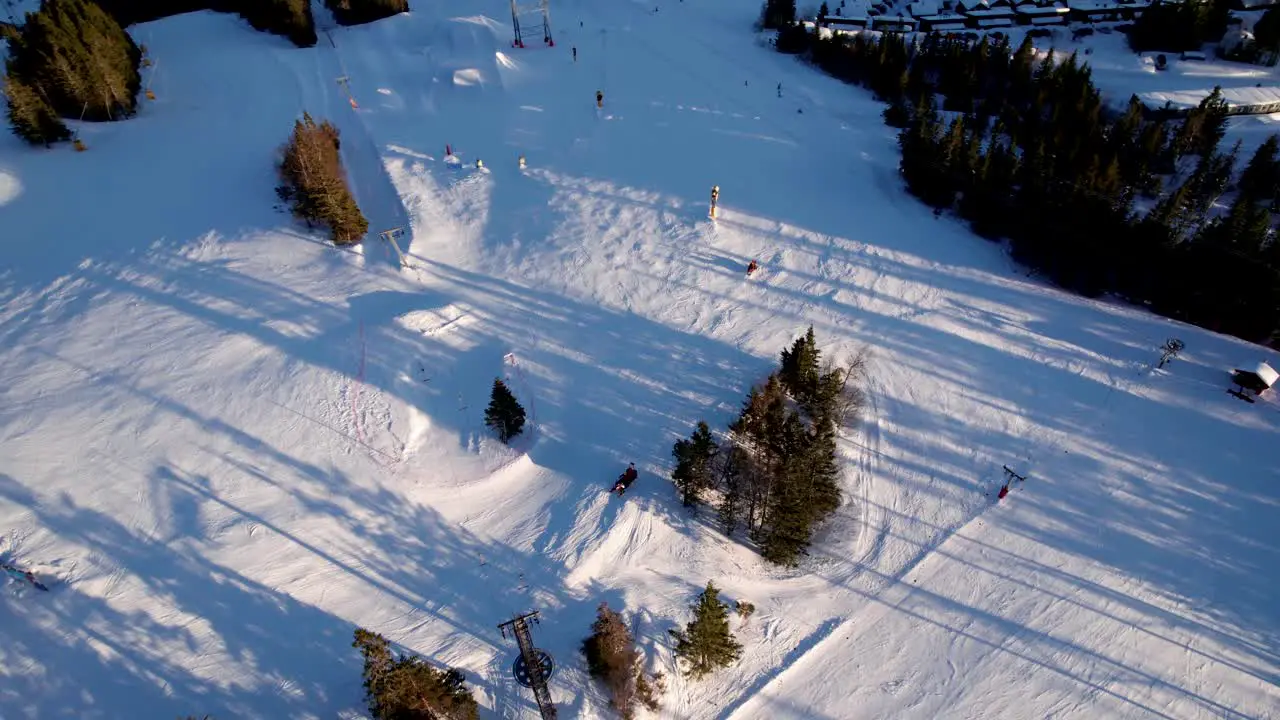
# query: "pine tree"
613 659
730 470
692 473
31 116
1266 33
1245 228
799 368
1214 127
778 14
407 688
783 531
1260 180
706 643
314 184
504 414
290 18
356 12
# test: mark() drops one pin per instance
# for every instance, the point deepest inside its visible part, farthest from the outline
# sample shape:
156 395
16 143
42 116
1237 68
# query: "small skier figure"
752 267
575 54
599 99
1004 490
625 479
779 89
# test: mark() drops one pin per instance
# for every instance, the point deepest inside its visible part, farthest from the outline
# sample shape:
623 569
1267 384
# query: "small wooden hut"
1258 380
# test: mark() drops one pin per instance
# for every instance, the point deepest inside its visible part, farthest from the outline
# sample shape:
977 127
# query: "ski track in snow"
262 441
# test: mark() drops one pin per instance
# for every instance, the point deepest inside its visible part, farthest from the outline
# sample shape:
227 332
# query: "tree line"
357 12
775 474
289 18
69 60
73 60
1176 27
1020 145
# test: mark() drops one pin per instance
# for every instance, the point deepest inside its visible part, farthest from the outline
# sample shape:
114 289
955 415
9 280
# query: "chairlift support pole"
535 663
543 11
390 236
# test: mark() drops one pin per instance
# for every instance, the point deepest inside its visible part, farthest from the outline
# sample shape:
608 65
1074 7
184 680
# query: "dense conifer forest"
1146 206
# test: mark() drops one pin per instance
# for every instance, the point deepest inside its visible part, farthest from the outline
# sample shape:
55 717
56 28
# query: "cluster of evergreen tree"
706 643
1176 27
313 183
357 12
69 60
614 660
289 18
1023 149
777 474
128 12
73 58
407 688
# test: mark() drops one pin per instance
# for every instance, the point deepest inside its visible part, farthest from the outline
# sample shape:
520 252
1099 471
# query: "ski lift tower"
537 13
534 666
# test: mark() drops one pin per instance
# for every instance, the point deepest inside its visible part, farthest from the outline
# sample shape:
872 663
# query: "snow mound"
468 77
10 187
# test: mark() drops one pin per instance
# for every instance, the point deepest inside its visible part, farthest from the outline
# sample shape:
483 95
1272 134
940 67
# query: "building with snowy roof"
846 23
1030 13
1240 100
1254 4
894 23
1259 380
1102 10
942 22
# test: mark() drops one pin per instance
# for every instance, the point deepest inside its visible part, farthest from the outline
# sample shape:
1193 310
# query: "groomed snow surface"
226 444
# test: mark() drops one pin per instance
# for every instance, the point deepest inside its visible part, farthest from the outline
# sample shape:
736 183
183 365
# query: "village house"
1028 12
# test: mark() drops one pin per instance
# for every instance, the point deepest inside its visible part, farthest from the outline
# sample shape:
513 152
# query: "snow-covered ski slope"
224 444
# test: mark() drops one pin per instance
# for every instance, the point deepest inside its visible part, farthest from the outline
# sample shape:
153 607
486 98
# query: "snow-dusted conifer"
407 687
692 473
30 115
356 12
706 644
613 659
504 414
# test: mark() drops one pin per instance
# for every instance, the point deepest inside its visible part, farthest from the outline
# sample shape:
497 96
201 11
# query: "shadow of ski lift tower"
539 12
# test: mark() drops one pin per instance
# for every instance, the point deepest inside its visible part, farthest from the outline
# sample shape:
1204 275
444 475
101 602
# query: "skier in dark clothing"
625 479
752 267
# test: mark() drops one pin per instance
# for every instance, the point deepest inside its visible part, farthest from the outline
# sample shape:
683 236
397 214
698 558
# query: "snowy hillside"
226 444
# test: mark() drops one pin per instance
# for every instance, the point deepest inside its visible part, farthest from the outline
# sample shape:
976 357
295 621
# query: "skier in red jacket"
625 479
